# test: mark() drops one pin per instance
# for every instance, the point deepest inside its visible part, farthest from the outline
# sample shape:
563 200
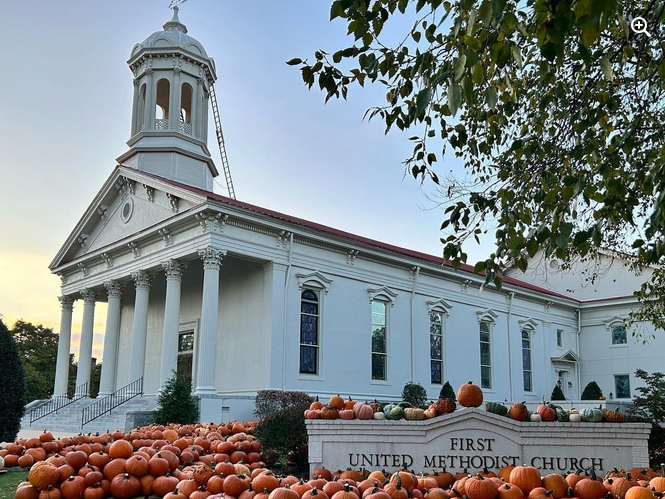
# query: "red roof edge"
347 235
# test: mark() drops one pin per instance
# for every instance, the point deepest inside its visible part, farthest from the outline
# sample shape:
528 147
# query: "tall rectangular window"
619 336
485 356
559 338
309 332
379 339
436 347
527 371
622 386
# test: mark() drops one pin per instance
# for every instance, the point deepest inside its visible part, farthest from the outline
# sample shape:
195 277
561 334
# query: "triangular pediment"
128 203
568 356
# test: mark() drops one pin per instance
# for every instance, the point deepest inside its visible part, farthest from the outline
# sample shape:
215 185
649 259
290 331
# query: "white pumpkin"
575 417
2 463
535 418
379 415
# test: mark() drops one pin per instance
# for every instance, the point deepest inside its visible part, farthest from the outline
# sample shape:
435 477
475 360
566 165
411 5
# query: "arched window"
436 321
485 328
309 332
186 108
162 104
527 368
142 107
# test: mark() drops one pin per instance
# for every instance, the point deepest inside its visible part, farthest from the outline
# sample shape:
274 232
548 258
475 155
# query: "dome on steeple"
174 36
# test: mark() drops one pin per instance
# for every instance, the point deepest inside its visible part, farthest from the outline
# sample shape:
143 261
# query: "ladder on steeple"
220 141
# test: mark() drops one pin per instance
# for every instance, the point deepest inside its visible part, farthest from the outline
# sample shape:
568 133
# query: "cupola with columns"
169 132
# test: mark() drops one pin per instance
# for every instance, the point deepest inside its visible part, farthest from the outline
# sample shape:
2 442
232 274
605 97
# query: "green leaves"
554 111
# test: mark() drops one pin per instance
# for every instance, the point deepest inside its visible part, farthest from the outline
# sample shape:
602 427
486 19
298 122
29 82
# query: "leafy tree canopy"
12 395
38 349
554 106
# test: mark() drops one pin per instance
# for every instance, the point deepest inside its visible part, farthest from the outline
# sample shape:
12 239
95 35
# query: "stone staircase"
67 420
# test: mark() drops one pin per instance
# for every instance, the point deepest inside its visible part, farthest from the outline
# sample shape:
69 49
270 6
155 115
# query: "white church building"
241 298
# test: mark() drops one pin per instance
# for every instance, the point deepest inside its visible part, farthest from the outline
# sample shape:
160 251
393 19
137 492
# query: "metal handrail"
58 402
110 402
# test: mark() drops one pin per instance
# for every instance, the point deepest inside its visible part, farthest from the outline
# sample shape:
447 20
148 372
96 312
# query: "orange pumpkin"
43 475
470 395
620 486
336 402
557 484
479 487
526 478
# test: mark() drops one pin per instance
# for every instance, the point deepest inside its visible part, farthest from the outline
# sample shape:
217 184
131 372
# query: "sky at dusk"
65 107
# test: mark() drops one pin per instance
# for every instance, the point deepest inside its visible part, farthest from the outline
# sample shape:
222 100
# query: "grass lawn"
9 481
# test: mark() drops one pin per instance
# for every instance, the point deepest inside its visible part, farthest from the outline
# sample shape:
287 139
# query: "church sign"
475 439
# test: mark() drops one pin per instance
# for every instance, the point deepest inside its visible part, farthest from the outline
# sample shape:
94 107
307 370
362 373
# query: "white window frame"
625 330
490 327
529 332
616 392
318 346
559 338
442 318
387 305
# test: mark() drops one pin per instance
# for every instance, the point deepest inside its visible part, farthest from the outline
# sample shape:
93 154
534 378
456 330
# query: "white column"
174 101
150 91
207 344
64 340
85 347
140 330
274 300
135 108
174 270
110 359
199 108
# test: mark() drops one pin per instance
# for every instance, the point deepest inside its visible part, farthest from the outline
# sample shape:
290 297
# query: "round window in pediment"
126 210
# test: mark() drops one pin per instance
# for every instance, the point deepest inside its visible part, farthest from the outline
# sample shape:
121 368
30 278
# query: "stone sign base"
474 439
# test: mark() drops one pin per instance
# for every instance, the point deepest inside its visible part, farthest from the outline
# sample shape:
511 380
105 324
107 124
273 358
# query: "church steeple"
169 132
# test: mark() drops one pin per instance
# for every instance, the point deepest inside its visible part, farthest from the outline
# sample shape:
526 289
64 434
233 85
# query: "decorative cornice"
150 192
528 324
439 305
84 269
114 288
212 221
383 293
88 295
135 249
167 236
314 280
108 259
212 257
465 285
282 238
351 256
142 279
174 269
173 201
616 319
67 303
487 315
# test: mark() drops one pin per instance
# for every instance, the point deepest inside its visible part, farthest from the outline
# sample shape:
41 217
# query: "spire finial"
175 23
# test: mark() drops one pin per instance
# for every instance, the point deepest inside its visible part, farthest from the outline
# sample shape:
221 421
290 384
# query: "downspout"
511 295
577 341
416 273
286 299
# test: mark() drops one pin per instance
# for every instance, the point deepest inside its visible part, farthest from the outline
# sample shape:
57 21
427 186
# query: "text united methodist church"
242 298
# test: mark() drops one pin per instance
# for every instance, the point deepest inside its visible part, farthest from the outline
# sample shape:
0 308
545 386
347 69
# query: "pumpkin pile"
550 412
152 460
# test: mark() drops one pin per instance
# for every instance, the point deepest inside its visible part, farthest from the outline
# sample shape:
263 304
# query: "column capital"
114 288
88 295
67 303
174 269
212 257
142 279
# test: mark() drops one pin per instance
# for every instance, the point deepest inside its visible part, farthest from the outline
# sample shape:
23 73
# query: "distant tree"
414 394
447 392
650 403
557 393
38 349
592 391
175 403
12 394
